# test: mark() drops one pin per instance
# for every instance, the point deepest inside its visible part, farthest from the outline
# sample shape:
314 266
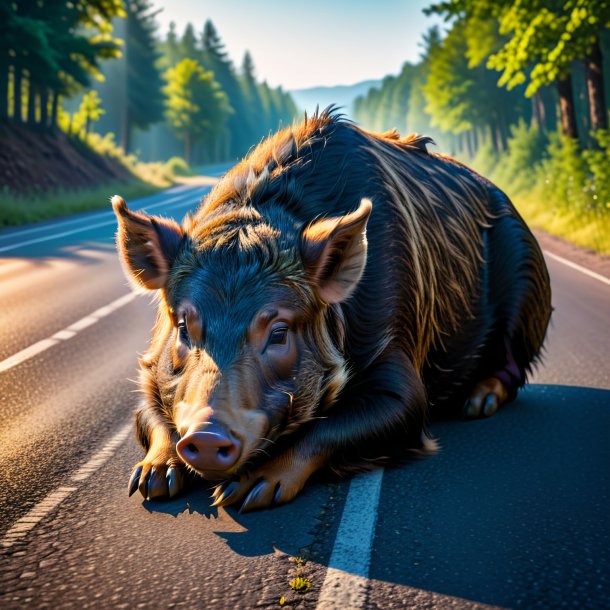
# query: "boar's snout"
212 451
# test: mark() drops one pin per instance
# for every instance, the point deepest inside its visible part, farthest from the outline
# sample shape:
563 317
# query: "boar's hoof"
485 399
159 481
276 482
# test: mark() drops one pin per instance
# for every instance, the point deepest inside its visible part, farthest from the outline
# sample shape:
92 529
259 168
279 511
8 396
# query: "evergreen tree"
216 59
197 108
144 84
188 44
55 47
254 115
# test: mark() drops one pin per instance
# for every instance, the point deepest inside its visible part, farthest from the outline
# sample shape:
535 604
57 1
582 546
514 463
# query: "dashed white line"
182 199
568 263
101 457
346 582
66 333
28 522
175 195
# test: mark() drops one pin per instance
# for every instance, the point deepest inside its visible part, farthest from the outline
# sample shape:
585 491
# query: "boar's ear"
334 253
147 245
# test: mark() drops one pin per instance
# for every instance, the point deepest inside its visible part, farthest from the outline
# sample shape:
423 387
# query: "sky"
306 43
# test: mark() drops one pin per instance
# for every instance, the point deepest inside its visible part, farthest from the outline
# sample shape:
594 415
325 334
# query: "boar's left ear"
147 244
334 253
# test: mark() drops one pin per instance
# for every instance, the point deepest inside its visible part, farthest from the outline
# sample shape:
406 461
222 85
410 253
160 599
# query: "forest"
520 91
102 66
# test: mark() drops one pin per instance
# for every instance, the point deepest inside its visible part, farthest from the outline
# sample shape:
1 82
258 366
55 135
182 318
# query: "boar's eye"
183 333
278 335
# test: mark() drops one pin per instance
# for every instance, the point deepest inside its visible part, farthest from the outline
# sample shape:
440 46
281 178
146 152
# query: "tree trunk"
187 148
17 99
566 106
31 114
54 110
44 108
471 146
4 76
125 133
595 88
538 112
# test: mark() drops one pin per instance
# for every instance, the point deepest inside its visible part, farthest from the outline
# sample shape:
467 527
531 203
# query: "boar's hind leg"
378 419
161 473
485 399
519 294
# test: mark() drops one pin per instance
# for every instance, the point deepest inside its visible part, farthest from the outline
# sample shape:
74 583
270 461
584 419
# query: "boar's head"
247 346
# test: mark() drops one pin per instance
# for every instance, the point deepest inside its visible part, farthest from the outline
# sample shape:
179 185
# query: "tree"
252 100
89 112
542 40
143 80
55 47
215 58
188 43
197 108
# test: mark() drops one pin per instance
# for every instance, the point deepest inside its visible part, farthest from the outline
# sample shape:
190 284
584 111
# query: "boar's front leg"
161 472
379 418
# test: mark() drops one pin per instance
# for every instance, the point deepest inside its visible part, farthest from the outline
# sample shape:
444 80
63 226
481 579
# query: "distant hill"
341 95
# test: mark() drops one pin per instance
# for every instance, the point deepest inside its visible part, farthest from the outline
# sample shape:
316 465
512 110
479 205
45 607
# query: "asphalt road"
512 512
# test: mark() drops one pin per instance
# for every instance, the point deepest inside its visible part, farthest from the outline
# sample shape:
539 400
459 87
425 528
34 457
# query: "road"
512 512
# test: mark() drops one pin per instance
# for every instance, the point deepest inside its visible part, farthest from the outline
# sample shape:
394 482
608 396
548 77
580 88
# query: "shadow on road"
512 511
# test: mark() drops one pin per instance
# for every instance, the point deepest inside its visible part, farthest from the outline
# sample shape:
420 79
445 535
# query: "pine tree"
144 83
197 108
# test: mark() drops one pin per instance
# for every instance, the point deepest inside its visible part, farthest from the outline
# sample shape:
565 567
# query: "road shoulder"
584 257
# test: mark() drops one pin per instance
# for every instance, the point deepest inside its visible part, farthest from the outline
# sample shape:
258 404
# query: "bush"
517 169
177 166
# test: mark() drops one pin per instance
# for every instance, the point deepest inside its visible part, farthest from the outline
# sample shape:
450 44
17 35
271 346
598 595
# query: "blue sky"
313 42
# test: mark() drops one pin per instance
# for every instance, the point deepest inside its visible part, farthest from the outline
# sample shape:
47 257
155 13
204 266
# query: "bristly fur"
454 286
428 225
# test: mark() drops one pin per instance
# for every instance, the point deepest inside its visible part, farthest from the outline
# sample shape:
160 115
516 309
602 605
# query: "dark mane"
324 166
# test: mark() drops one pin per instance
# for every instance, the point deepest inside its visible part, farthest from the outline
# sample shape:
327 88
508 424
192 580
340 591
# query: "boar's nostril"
212 449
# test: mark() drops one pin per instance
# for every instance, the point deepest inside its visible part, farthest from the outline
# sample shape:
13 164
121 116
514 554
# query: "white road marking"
182 198
102 456
52 224
346 582
28 522
568 263
66 333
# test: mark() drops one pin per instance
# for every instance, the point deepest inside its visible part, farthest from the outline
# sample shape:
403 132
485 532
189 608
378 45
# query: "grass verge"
16 209
586 228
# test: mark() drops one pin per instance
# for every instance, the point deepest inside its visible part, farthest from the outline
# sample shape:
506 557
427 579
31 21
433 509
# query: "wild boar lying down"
330 289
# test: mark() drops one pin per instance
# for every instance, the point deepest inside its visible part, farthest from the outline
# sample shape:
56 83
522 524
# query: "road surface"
512 512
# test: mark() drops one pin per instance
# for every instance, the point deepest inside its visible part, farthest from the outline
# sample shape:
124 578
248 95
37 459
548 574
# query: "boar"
333 288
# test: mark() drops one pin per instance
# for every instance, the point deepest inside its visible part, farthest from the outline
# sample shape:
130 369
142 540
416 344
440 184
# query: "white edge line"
22 527
95 215
346 581
65 333
172 202
568 263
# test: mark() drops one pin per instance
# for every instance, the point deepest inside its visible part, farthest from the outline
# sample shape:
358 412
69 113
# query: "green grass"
16 209
588 229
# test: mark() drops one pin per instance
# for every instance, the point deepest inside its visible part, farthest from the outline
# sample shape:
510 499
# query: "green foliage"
517 169
177 166
196 105
555 184
56 46
90 111
19 209
598 161
144 83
